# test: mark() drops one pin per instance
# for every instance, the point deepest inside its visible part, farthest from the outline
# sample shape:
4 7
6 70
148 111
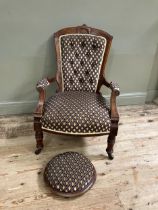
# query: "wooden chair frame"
84 29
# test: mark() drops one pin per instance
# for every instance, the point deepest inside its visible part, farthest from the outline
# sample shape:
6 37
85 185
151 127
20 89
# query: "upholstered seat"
76 112
70 174
78 108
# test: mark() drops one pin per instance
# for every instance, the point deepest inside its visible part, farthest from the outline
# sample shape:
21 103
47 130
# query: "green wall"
27 53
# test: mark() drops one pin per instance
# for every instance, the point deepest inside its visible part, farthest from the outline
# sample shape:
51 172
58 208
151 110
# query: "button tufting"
71 62
91 81
71 81
71 45
75 72
80 60
88 54
87 72
82 63
94 45
81 80
83 44
93 64
77 55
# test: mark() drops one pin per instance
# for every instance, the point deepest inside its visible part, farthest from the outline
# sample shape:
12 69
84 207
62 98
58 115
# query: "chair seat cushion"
75 112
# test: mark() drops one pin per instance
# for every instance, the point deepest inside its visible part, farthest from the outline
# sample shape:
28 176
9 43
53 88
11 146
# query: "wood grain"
130 181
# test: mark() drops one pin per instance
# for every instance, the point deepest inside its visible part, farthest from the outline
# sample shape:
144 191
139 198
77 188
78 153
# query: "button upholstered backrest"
81 60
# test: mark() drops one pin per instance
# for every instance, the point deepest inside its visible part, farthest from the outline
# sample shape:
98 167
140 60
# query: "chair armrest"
41 88
44 83
112 85
115 88
115 92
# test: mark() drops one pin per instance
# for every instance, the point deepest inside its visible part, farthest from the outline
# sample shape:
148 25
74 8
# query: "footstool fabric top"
70 174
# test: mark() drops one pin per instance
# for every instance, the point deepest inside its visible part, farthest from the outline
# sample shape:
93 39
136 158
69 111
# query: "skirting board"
22 107
151 95
130 98
18 107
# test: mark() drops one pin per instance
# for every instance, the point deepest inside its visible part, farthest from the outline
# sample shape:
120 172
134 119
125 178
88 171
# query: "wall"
27 53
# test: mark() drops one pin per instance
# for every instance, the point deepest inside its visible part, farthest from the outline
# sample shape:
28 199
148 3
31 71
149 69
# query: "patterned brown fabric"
69 174
43 83
75 112
81 56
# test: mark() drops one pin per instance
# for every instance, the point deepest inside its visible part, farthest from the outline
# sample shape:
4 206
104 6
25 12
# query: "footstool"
70 174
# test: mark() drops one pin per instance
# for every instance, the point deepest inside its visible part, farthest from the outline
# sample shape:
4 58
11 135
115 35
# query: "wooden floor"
129 182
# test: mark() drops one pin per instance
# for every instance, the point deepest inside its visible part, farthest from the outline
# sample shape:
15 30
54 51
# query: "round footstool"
70 174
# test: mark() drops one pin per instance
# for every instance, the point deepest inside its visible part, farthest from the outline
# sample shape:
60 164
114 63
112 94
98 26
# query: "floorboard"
129 182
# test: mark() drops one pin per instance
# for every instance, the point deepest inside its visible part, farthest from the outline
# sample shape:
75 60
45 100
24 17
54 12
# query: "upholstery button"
71 45
83 44
81 80
71 62
87 72
77 55
93 64
88 54
91 81
82 63
94 45
71 81
75 71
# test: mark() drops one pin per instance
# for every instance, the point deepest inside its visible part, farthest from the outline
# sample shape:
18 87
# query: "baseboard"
18 107
21 107
130 98
151 95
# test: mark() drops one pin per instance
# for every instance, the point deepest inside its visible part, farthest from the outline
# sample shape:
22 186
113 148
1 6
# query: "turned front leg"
39 141
111 142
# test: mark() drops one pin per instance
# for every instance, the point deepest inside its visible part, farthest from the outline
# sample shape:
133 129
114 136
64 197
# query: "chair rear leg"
39 141
111 142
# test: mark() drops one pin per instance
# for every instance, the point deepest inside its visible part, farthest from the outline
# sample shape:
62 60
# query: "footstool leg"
111 142
39 141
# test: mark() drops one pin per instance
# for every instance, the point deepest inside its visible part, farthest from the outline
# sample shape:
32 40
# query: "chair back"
81 56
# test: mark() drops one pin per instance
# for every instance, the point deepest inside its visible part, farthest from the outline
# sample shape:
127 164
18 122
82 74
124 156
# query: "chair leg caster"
110 154
38 150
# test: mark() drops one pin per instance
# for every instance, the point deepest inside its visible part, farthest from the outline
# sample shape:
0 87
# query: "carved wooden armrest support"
112 85
114 113
115 92
113 107
115 87
41 88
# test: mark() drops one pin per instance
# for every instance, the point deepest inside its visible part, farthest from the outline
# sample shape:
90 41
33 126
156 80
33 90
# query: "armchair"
78 107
